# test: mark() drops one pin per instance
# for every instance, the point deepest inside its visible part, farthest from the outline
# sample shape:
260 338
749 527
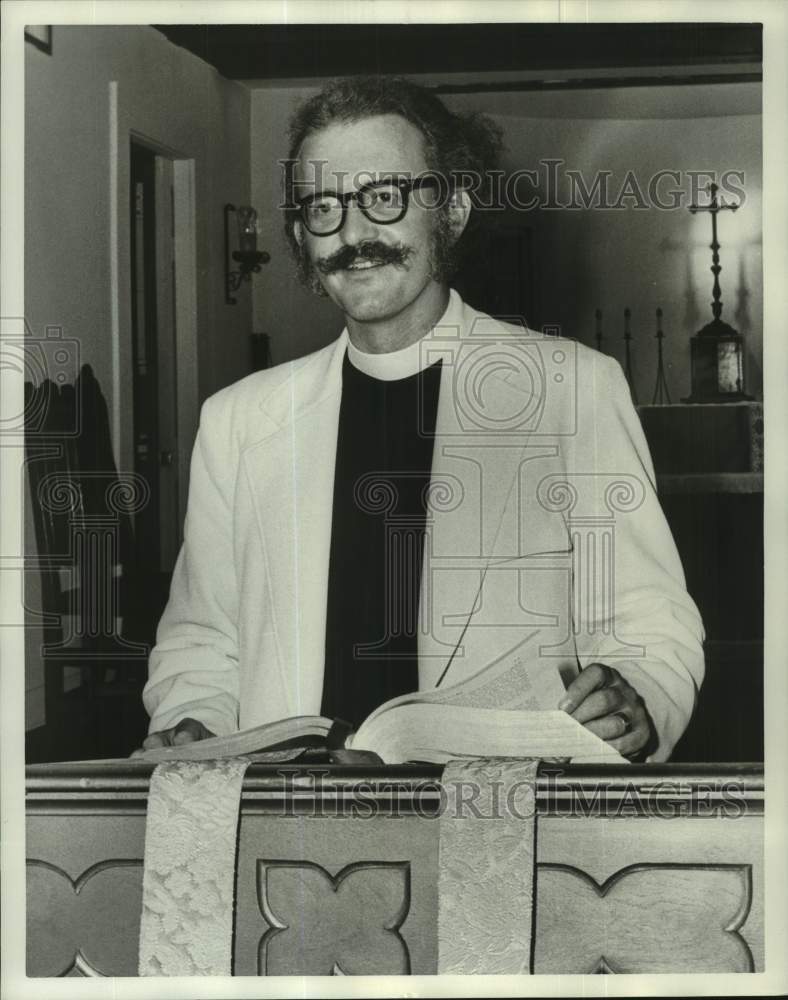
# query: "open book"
464 720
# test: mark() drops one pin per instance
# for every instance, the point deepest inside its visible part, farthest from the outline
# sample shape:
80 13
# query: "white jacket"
544 534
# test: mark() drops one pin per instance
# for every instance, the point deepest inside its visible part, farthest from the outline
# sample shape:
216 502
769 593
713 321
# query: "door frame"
122 131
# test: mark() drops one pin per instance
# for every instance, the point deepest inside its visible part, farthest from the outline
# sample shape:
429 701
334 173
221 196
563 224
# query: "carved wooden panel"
352 896
345 923
357 894
643 919
716 857
86 926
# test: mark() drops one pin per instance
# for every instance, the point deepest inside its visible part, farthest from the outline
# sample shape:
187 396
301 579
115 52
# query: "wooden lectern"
641 869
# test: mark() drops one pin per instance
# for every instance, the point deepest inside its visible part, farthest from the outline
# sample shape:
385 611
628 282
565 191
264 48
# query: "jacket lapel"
474 510
291 474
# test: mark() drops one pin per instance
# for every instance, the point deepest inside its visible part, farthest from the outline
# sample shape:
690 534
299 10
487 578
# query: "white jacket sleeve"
641 621
193 669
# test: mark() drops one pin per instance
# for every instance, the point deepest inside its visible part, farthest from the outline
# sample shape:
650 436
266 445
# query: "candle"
247 229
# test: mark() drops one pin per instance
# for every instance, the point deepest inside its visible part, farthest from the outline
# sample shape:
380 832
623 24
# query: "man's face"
344 157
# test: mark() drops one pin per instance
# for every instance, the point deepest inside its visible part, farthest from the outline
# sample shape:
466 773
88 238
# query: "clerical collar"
410 360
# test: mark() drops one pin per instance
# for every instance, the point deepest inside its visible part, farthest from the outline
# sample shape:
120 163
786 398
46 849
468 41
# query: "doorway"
154 380
497 275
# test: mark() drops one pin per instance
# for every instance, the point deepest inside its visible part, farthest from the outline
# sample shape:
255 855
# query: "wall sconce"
247 256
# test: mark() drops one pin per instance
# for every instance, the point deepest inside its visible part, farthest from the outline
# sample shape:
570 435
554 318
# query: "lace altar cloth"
189 876
486 867
485 875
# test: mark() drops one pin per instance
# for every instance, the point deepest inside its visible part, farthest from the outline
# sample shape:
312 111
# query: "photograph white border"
774 16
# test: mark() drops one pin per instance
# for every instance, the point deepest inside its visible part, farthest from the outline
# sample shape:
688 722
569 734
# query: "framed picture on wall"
40 35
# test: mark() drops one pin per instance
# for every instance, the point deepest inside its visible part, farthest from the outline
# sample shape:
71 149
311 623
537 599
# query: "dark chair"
94 668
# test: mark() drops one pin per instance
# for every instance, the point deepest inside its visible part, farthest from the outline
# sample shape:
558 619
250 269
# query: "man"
432 493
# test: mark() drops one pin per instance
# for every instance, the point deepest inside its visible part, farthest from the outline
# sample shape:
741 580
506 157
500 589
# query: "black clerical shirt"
382 474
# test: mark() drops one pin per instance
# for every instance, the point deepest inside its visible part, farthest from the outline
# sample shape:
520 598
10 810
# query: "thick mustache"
380 253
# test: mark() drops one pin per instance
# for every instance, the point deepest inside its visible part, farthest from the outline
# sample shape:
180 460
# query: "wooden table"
642 869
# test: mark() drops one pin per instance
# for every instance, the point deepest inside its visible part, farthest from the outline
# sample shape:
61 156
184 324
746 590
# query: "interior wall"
644 258
635 257
169 97
297 320
173 100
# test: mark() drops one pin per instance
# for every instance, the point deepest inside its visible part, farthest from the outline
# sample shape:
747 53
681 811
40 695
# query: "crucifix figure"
716 350
714 208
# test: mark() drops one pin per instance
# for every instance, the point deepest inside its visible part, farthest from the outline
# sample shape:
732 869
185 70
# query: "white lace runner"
189 876
486 867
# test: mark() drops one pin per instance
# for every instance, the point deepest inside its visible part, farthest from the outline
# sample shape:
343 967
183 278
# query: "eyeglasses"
382 202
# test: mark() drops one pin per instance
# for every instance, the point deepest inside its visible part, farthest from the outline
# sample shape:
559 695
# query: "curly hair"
456 147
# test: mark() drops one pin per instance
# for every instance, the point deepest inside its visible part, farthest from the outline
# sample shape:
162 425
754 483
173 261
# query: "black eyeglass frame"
404 184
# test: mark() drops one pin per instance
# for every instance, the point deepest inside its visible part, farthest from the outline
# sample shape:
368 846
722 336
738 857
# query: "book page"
515 681
437 733
273 742
196 751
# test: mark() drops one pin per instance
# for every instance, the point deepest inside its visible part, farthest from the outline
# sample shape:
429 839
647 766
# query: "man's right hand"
186 731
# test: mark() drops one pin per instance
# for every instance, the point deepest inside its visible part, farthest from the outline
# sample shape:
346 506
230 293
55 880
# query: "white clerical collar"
410 360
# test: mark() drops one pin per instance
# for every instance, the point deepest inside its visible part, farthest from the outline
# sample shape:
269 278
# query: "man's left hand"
610 707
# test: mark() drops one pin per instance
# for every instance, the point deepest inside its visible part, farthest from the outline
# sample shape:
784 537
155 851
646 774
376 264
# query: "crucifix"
714 208
716 350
